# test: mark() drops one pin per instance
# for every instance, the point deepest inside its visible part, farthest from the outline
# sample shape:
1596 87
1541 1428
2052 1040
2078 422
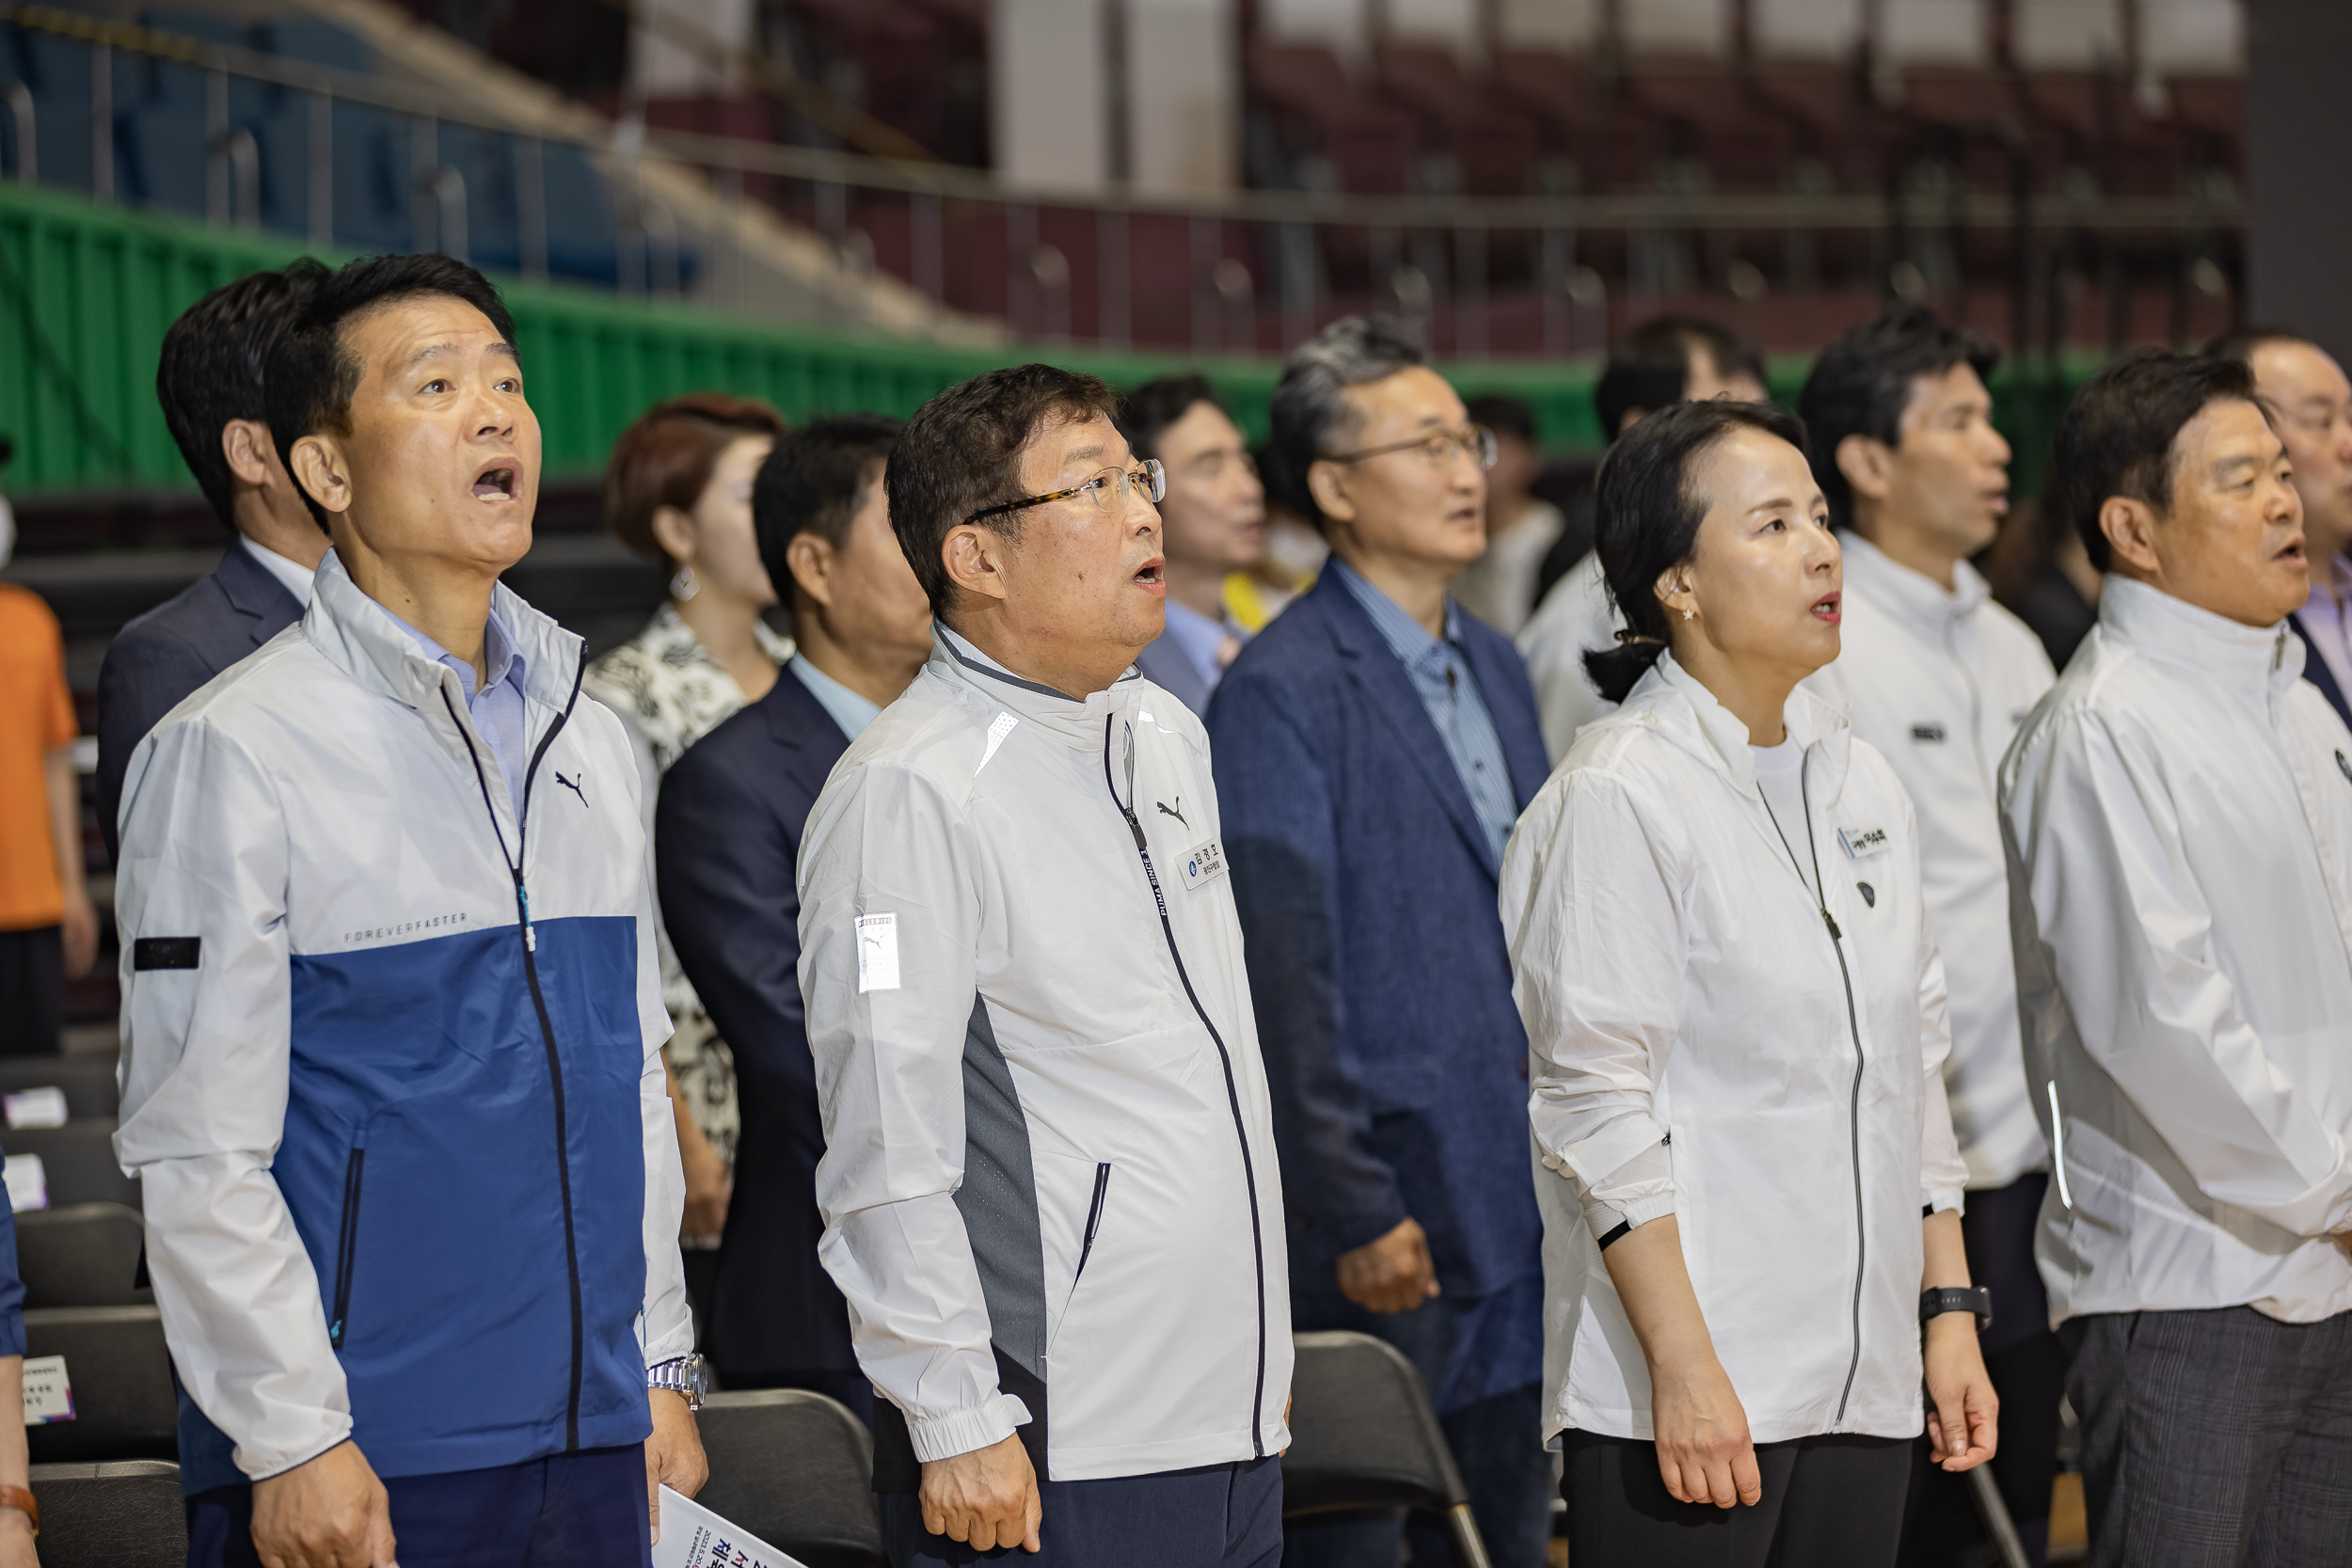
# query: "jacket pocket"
1094 1224
347 1238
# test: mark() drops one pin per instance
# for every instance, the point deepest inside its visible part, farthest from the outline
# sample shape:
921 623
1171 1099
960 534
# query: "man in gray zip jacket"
1049 1184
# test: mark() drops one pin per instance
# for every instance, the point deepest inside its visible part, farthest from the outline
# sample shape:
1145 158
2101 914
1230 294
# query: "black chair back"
88 1082
78 1160
1363 1435
83 1255
797 1470
120 1515
124 1405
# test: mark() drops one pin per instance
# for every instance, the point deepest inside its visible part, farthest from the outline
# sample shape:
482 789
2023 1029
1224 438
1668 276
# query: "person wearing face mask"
1049 1184
726 833
2313 400
1937 677
678 488
2178 812
1213 522
1374 747
1737 1023
208 381
391 1076
1663 361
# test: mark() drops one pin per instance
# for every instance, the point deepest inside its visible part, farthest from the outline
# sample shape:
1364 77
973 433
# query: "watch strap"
19 1497
1976 1300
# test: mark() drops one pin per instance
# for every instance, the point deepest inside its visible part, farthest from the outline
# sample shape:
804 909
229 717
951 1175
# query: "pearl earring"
683 586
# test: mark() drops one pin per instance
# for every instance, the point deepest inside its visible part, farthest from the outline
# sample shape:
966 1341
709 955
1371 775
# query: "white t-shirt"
1779 773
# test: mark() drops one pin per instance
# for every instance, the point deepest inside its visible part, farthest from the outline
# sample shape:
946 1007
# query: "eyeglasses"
1107 491
1439 447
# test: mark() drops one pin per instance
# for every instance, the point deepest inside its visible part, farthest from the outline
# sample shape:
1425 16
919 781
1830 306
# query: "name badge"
1862 842
1202 864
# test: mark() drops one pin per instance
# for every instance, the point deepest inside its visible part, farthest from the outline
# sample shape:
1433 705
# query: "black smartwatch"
1958 1298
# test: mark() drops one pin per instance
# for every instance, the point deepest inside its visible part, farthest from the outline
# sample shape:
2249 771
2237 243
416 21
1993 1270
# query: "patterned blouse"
671 694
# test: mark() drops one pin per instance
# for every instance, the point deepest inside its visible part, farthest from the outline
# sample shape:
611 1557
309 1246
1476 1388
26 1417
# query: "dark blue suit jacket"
726 832
1375 952
159 659
2316 672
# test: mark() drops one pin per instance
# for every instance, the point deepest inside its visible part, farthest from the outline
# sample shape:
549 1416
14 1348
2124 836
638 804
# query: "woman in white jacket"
1736 1021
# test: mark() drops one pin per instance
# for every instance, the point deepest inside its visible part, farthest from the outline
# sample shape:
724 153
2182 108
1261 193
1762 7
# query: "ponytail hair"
1647 511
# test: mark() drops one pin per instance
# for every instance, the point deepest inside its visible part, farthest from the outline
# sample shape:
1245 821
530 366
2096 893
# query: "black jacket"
726 832
159 659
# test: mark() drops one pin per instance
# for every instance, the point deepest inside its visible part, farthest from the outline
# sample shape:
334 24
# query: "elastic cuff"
277 1464
964 1430
1607 1218
1941 1199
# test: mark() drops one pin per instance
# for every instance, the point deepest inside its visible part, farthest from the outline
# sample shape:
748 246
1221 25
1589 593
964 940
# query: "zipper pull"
1136 827
522 903
1831 921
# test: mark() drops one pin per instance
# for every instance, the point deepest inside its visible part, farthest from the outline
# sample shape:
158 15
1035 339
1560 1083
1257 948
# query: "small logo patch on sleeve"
1927 732
165 952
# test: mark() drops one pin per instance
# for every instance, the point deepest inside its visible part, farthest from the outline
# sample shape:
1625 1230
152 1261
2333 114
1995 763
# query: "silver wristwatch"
689 1375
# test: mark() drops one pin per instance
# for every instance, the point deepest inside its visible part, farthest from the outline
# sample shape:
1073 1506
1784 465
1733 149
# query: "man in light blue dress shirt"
1212 525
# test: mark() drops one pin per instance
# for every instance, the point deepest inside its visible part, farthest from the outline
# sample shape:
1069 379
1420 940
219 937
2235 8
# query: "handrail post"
28 144
101 123
1207 242
320 155
217 193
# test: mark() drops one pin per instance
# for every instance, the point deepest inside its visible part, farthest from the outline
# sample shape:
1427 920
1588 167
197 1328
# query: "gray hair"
1311 415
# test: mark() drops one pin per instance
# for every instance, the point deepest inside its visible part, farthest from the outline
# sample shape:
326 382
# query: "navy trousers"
567 1511
1216 1517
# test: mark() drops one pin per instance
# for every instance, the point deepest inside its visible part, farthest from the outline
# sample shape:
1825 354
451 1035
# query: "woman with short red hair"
678 488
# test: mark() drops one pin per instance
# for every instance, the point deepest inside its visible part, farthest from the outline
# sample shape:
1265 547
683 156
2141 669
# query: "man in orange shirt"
48 931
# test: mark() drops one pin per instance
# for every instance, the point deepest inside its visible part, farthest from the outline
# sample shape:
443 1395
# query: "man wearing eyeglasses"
1049 1184
1375 746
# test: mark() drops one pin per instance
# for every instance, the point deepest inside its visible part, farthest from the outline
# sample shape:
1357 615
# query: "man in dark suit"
210 384
726 832
2310 403
1374 747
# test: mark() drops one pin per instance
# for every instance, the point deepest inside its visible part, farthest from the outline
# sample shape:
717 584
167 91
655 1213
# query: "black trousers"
1829 1502
32 991
2028 1366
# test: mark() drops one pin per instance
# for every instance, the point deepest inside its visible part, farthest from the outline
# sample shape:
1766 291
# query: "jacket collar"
1912 596
1077 721
250 589
360 637
1671 701
2255 664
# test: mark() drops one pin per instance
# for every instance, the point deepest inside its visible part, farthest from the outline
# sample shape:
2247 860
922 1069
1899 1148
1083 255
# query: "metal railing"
729 222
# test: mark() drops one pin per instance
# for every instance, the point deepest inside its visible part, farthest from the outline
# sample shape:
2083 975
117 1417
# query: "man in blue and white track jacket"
391 1020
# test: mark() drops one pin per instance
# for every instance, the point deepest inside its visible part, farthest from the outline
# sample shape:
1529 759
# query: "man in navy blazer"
726 832
210 384
1374 746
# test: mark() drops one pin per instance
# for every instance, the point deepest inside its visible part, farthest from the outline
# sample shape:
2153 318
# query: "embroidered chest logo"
1176 811
1927 732
573 785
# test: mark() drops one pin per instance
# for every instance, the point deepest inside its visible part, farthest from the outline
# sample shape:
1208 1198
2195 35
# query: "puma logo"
573 786
1177 811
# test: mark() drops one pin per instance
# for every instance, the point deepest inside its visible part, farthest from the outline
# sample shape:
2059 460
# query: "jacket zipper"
1232 1091
347 1239
1094 1223
1853 1025
539 1006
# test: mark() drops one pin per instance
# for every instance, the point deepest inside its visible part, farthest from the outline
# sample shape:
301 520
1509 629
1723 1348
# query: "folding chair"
78 1160
88 1082
121 1515
124 1406
795 1469
83 1255
1363 1435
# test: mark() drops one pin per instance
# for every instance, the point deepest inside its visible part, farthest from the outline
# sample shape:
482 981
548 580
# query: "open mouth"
1826 609
495 484
1150 578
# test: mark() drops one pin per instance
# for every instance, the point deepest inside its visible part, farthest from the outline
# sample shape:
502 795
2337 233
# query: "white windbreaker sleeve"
886 851
1597 944
1943 1174
2129 933
665 1328
205 1060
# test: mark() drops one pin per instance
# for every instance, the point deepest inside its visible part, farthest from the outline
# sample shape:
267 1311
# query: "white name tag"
47 1393
877 953
1203 864
1862 842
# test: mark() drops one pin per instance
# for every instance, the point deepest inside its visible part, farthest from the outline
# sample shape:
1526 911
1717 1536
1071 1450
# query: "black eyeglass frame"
1477 440
1149 469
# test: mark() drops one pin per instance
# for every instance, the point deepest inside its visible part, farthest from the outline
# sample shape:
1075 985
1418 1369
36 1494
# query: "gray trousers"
2213 1439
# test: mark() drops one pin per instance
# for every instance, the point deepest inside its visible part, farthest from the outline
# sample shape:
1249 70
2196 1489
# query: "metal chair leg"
1998 1526
1470 1548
